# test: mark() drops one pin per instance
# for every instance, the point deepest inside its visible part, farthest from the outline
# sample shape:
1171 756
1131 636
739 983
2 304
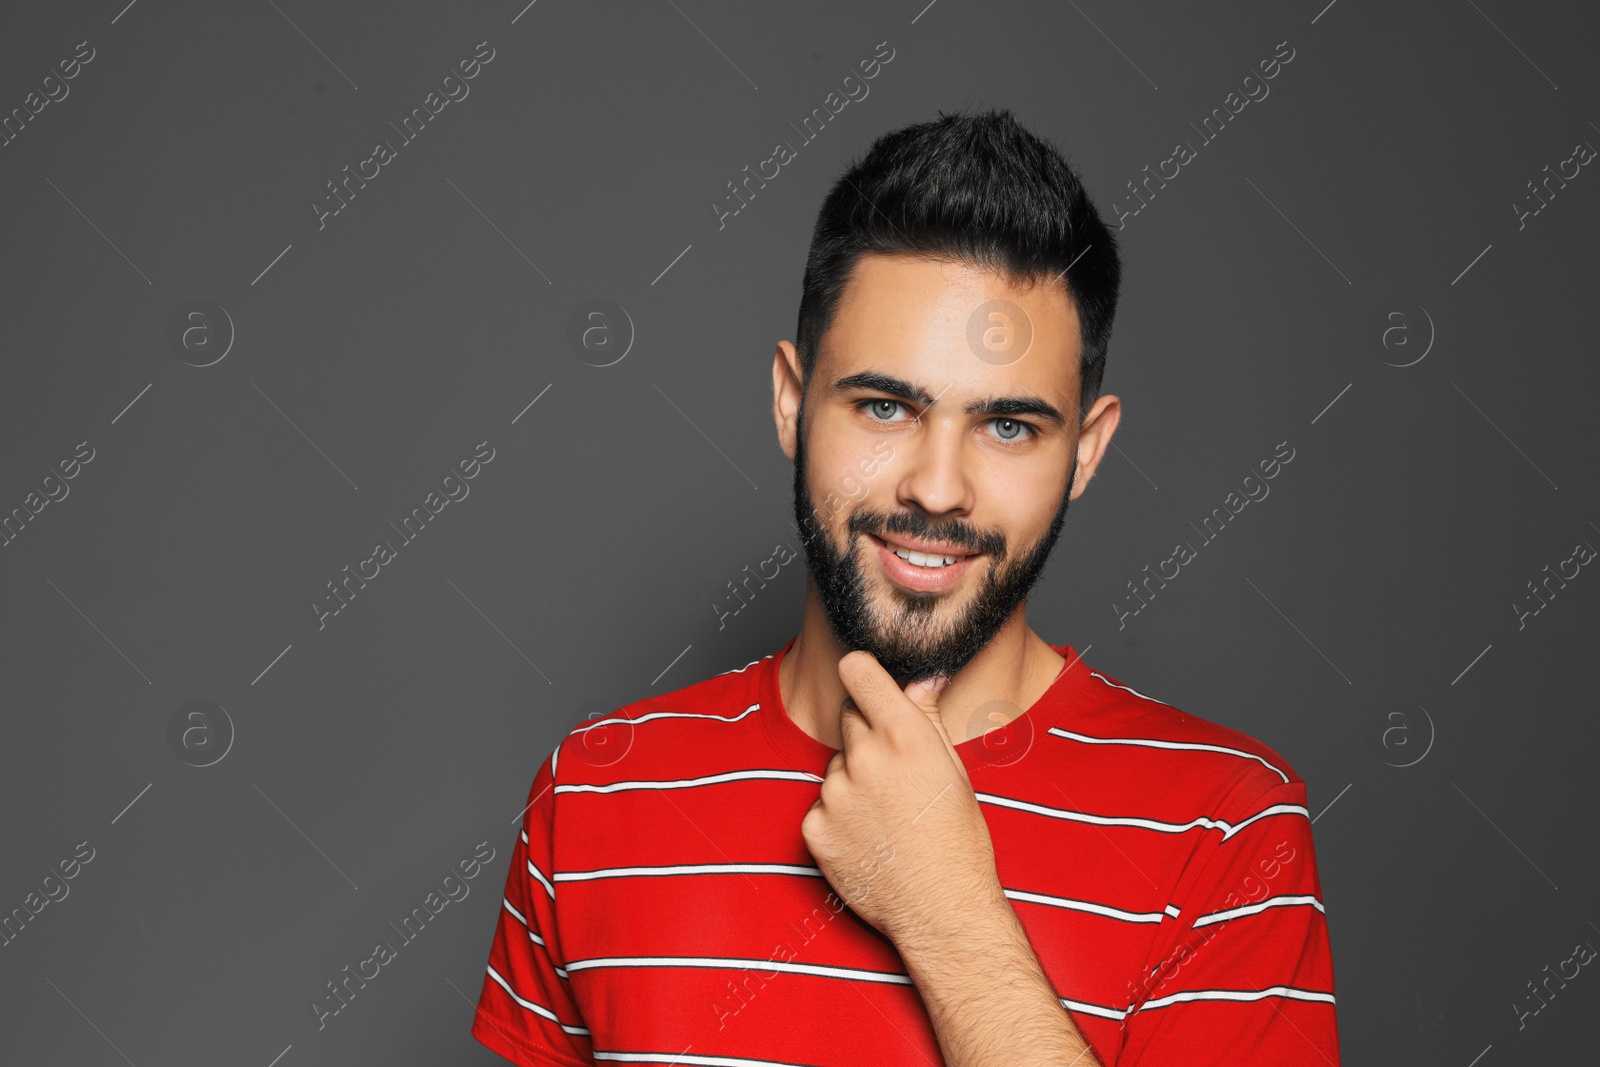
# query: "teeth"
921 559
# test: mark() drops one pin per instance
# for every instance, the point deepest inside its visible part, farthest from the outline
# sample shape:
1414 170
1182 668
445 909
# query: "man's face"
921 427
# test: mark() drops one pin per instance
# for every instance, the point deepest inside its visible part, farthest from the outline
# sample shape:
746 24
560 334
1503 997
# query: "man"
1029 861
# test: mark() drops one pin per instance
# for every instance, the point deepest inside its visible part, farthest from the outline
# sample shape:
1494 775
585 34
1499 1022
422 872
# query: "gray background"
584 568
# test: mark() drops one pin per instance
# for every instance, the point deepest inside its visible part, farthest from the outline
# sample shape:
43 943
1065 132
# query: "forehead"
945 322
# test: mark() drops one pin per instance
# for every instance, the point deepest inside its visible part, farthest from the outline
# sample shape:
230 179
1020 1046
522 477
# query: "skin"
896 799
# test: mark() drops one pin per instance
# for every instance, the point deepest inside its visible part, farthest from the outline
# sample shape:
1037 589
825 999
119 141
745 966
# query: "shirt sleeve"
526 1010
1247 977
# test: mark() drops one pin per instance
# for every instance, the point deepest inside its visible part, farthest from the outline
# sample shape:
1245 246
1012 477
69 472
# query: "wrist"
970 925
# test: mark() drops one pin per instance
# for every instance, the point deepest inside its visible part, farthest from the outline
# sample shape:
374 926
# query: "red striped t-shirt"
662 907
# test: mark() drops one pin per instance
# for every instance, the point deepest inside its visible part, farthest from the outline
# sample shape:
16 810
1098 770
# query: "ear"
1094 437
786 393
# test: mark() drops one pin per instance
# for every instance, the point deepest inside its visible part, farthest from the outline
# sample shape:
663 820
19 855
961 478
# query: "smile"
920 571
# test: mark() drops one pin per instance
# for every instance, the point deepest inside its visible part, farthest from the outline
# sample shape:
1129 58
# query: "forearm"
987 996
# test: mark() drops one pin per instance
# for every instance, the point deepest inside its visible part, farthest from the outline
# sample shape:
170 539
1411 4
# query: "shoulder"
1175 751
699 715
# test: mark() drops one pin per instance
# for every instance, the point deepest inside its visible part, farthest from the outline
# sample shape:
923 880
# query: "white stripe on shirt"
685 1057
1253 909
735 963
688 868
1238 995
747 666
1128 689
1083 905
1228 829
548 888
538 1009
1093 1009
1149 742
665 715
690 783
536 939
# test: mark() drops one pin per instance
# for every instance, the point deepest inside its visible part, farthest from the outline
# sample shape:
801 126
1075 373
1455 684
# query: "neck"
1002 681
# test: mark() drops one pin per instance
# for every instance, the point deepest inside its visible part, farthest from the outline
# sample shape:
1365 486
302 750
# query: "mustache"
916 524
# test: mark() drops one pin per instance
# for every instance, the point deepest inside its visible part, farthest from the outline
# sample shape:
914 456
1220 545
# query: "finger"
852 725
925 693
876 696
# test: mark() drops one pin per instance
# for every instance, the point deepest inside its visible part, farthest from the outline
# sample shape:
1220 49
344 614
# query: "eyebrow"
988 405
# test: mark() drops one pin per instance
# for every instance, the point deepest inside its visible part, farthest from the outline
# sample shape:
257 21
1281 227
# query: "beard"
908 637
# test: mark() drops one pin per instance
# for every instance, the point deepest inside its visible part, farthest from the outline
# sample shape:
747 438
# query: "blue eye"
1007 430
1010 430
873 406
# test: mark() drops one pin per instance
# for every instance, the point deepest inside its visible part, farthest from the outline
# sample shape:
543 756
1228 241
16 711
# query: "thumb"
924 693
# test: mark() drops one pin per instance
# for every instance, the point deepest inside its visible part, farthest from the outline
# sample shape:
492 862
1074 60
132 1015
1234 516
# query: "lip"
920 579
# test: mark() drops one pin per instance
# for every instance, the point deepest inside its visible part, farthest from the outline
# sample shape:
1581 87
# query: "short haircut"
972 187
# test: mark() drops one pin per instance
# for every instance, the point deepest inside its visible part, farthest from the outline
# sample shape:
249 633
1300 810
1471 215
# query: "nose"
935 478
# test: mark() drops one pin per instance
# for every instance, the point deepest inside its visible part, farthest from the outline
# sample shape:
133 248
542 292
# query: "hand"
897 829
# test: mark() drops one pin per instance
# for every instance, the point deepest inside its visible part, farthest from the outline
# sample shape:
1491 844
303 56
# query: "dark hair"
977 188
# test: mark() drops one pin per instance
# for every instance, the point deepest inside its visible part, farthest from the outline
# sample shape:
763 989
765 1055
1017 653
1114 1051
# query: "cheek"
1032 492
834 469
1022 504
